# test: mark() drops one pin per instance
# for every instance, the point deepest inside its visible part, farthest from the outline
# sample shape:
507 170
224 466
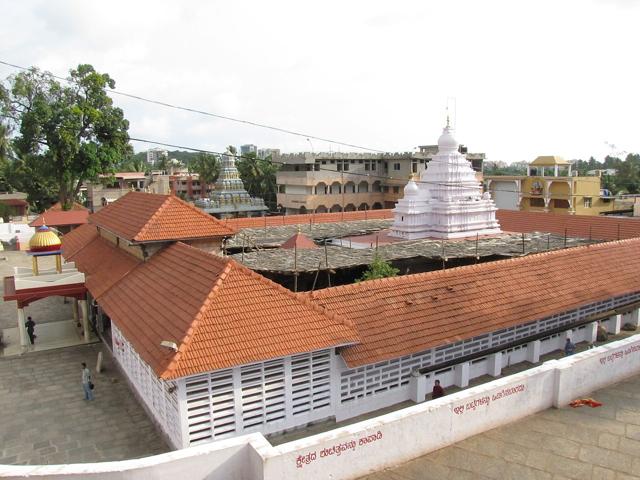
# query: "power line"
210 114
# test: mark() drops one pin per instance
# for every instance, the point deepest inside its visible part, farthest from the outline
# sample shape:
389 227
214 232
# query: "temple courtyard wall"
381 442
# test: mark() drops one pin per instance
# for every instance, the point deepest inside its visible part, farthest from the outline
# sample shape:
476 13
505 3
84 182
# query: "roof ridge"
146 226
482 266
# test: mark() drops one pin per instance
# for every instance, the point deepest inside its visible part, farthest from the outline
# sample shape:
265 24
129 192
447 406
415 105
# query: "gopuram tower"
447 201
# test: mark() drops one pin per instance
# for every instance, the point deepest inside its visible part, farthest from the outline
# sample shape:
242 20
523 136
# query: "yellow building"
550 186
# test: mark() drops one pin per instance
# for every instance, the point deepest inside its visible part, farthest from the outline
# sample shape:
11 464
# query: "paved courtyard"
44 418
557 444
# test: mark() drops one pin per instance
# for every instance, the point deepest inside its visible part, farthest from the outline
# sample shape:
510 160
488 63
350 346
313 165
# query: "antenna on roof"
168 344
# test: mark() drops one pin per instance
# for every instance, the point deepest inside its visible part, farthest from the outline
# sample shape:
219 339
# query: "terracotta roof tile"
103 264
77 239
412 313
299 241
147 217
585 226
56 216
219 313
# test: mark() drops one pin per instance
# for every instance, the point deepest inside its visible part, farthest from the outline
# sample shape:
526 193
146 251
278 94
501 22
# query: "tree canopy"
259 177
64 134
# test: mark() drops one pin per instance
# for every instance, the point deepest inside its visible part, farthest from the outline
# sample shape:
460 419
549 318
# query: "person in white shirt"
86 382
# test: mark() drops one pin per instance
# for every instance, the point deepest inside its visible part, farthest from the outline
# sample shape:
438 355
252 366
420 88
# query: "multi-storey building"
550 186
333 182
155 154
248 148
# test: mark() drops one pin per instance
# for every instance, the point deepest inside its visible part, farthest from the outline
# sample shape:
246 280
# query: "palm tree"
208 168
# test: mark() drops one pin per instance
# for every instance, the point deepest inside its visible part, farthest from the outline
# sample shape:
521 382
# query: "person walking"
31 325
87 385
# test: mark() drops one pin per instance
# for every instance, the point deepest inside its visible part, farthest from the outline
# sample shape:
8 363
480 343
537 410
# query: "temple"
230 198
447 202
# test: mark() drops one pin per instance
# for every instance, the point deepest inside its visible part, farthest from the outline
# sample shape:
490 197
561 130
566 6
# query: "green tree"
259 177
207 167
67 134
379 268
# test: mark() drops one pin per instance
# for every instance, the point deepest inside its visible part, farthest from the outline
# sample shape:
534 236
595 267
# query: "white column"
74 311
533 351
461 375
494 364
85 319
418 384
183 413
22 329
634 318
615 322
288 389
591 335
237 398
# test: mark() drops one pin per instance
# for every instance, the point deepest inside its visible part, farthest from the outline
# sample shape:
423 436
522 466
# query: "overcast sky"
530 78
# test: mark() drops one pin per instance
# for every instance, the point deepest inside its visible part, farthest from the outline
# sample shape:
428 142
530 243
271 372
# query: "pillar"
74 308
533 351
591 335
22 329
85 319
461 375
494 364
634 318
418 384
615 322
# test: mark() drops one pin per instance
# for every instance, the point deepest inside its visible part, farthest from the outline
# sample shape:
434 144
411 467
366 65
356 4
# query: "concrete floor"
44 418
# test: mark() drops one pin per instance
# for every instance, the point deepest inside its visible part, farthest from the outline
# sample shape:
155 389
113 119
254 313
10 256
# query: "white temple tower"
447 202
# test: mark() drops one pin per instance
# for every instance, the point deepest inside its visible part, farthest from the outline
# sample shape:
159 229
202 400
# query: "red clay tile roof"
586 226
14 202
146 217
103 265
77 239
59 218
219 313
299 241
409 314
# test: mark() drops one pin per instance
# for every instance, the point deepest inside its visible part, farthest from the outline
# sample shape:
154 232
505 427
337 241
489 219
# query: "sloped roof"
549 160
77 239
148 217
409 314
219 313
57 217
299 241
103 265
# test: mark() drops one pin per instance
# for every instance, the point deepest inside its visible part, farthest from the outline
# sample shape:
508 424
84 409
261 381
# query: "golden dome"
44 240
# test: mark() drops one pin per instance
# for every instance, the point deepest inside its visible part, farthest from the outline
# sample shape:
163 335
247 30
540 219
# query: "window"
346 165
414 167
373 165
396 166
587 202
557 203
339 166
396 189
536 202
366 166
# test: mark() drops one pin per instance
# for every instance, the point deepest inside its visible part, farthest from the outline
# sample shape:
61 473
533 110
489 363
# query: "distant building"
268 152
112 187
550 186
155 154
249 148
16 203
229 198
333 182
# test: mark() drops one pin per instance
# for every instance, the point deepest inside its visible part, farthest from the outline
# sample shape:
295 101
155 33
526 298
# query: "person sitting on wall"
438 391
569 347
